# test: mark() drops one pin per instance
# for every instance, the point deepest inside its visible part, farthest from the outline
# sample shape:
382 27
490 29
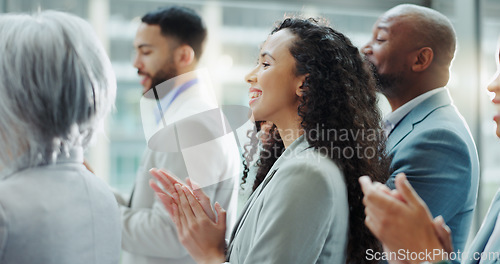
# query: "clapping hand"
401 220
199 229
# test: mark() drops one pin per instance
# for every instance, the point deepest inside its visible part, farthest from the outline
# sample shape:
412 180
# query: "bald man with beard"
410 53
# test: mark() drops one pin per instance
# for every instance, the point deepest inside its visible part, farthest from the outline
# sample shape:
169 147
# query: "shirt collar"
393 118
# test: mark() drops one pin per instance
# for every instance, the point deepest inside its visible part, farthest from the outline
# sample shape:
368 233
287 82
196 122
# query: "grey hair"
56 85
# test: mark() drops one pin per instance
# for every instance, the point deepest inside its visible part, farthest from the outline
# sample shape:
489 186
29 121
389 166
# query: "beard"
386 83
166 74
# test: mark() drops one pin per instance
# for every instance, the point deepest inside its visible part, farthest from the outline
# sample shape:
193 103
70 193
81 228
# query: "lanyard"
176 93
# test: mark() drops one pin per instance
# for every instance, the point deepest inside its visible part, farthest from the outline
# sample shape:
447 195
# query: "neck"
398 101
289 132
414 87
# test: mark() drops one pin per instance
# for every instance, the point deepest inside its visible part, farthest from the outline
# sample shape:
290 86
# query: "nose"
251 77
136 61
494 86
367 49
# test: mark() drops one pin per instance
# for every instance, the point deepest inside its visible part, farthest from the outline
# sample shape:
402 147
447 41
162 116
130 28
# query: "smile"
254 94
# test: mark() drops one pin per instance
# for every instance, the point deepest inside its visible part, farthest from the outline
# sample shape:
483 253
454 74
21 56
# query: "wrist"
216 257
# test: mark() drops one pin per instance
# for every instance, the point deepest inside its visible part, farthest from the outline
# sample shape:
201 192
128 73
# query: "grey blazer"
299 214
58 214
149 234
433 146
487 240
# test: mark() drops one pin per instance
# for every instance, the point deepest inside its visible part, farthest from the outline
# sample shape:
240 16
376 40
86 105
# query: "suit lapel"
246 209
415 116
296 147
484 233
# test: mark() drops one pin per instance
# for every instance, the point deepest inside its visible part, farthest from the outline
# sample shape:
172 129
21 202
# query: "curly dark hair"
339 94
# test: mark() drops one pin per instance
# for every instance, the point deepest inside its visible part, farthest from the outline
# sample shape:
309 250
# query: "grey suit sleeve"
3 231
294 223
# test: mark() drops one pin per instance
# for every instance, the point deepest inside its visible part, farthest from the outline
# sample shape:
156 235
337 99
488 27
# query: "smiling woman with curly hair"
306 206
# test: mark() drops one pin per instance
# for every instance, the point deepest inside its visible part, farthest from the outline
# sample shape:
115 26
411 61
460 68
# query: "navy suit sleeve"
437 163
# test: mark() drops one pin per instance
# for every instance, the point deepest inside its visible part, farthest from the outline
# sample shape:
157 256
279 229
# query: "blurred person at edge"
56 85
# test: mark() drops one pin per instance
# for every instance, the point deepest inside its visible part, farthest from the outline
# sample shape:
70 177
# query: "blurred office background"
238 27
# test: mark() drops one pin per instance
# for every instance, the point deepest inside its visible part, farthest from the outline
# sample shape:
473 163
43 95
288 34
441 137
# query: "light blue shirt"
393 118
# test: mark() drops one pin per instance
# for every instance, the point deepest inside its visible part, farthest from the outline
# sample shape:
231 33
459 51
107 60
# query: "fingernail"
195 185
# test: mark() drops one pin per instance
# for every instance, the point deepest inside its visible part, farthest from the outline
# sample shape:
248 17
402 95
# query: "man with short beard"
183 139
410 52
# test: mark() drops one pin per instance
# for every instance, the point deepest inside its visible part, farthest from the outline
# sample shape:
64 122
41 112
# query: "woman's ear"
299 91
184 56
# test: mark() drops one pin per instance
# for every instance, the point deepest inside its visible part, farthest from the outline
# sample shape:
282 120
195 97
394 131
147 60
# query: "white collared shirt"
393 118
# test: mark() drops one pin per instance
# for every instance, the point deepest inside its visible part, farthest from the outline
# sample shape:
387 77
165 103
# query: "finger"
396 194
155 187
180 211
202 198
381 201
200 194
443 232
194 203
372 224
188 183
167 201
163 180
185 207
380 187
221 215
170 176
406 190
177 221
366 184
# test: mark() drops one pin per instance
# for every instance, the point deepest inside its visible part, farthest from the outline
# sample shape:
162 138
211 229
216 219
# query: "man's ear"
300 85
423 59
184 56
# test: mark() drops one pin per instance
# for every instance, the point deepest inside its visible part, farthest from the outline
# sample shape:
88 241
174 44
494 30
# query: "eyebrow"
266 53
144 46
383 28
